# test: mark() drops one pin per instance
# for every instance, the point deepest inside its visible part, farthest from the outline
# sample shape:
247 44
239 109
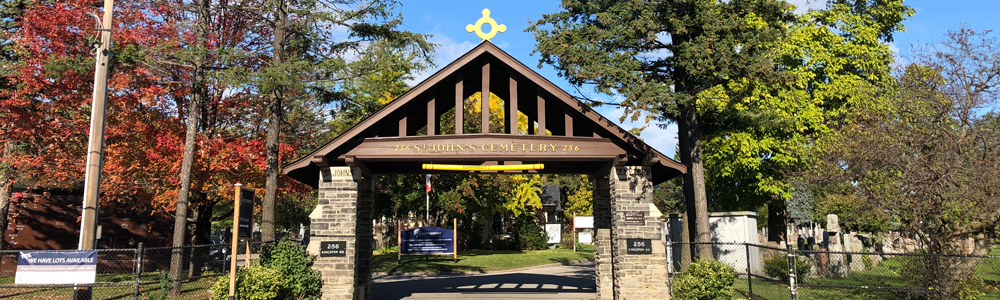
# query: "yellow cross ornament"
478 28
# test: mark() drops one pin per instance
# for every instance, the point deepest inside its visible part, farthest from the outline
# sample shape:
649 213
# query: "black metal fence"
786 273
139 273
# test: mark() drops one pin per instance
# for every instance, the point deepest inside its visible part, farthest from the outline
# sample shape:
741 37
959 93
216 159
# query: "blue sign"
56 267
427 240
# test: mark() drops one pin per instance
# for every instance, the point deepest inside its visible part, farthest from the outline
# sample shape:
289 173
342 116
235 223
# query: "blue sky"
446 21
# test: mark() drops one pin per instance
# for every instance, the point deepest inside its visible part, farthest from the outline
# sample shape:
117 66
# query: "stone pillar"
602 237
343 214
636 276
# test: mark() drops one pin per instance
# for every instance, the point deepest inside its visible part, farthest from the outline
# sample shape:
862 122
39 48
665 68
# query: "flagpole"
427 214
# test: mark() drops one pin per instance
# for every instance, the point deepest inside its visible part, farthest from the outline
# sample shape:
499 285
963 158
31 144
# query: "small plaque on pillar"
635 218
333 249
639 246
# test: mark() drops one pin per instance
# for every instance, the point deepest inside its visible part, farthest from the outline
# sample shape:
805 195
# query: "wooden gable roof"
449 80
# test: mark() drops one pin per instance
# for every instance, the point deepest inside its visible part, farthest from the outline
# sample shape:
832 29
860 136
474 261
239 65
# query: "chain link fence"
139 273
767 273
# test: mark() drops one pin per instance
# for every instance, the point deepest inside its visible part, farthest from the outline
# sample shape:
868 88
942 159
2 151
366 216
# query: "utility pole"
95 151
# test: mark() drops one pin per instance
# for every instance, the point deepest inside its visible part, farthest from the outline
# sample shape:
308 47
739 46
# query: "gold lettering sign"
488 148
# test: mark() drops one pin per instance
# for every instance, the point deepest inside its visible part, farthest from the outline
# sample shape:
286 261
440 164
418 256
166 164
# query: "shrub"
294 264
568 239
950 276
705 279
253 283
164 290
971 288
530 236
777 267
868 262
387 250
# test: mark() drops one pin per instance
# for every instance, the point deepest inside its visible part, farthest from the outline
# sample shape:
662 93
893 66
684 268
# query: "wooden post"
432 117
459 106
541 116
235 242
512 117
484 101
454 238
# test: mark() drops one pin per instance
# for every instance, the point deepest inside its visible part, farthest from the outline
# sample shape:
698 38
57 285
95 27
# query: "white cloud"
802 6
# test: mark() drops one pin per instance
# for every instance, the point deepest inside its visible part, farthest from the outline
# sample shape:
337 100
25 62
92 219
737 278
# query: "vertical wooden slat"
569 122
402 123
484 102
541 116
459 106
512 108
431 117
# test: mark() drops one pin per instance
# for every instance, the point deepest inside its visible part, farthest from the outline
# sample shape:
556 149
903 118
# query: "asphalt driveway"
553 282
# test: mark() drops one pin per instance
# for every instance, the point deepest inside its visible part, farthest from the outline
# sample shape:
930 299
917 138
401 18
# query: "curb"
569 263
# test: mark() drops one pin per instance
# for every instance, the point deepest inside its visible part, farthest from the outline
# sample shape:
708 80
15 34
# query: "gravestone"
838 262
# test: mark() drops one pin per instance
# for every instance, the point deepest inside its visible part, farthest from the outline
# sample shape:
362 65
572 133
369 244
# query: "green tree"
581 201
800 205
307 61
660 55
669 196
200 63
932 157
837 59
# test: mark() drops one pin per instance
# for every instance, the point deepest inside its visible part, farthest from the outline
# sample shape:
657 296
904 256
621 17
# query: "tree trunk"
6 181
688 231
273 130
776 221
694 180
202 235
198 91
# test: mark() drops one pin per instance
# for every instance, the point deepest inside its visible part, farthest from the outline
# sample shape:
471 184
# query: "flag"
428 183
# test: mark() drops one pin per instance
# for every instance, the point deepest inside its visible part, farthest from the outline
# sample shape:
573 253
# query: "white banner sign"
56 267
583 222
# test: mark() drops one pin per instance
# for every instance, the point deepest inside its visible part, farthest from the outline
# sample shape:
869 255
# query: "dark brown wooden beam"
431 117
512 108
402 123
569 122
459 106
486 147
528 107
484 101
541 116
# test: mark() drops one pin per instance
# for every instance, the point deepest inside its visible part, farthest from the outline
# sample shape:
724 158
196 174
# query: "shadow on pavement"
514 283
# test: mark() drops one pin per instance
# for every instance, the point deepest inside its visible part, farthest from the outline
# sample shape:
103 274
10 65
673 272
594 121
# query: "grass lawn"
197 289
478 260
885 274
